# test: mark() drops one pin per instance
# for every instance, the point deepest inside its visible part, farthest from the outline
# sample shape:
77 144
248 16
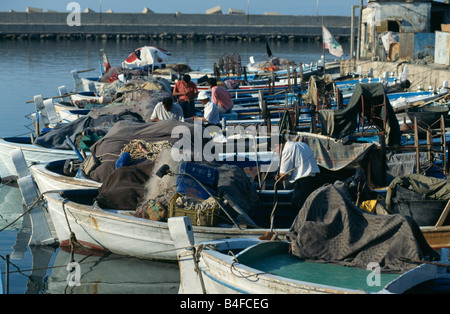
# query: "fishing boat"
402 101
73 213
50 176
427 115
424 199
242 266
32 152
81 213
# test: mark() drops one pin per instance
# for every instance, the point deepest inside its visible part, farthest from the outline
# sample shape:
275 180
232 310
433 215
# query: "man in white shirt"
167 110
210 111
299 167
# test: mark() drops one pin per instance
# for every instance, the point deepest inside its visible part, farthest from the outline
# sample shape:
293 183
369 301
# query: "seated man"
210 111
220 96
167 110
186 91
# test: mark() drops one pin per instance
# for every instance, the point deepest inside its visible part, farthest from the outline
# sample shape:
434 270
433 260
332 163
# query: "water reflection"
44 269
110 274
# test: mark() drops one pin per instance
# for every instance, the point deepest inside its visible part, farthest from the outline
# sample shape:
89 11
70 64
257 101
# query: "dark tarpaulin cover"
340 123
56 138
125 187
108 149
401 164
334 155
234 183
330 228
428 188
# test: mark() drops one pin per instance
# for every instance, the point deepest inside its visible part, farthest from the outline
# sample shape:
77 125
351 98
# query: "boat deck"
273 258
289 266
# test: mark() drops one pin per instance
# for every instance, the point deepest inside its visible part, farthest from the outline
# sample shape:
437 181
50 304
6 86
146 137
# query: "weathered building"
393 30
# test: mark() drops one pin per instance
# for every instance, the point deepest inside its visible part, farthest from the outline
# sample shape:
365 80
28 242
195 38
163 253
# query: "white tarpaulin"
147 55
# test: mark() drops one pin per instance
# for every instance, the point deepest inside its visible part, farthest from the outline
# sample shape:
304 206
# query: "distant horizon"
255 7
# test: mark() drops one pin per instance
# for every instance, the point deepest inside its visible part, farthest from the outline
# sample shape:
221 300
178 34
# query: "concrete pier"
176 26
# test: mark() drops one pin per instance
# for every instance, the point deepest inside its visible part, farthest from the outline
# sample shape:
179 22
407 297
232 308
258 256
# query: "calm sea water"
29 68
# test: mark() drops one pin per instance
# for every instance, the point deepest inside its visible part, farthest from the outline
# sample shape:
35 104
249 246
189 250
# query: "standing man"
186 91
298 165
210 112
167 110
220 96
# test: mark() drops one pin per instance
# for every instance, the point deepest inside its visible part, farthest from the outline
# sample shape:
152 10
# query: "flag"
331 44
269 52
106 64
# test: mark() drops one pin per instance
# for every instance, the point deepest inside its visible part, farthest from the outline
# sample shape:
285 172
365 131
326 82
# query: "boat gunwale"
427 272
223 259
43 170
124 216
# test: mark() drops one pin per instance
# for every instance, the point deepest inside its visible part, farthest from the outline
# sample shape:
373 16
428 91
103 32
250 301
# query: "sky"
289 7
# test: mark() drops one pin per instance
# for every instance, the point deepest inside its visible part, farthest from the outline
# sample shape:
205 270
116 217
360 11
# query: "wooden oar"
88 70
53 97
408 260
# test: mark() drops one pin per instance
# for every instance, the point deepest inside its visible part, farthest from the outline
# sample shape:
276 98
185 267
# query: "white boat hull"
121 233
33 154
47 180
212 270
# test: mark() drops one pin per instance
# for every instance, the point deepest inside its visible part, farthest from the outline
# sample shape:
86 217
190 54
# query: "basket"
205 218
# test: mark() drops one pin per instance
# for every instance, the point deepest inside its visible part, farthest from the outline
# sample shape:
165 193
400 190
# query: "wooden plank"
444 215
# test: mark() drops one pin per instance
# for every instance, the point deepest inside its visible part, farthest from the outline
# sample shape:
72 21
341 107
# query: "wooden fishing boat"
432 218
402 101
427 115
50 177
267 267
423 199
73 213
33 153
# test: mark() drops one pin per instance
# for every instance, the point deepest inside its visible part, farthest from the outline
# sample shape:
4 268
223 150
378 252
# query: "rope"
142 149
24 213
239 274
29 208
96 261
72 238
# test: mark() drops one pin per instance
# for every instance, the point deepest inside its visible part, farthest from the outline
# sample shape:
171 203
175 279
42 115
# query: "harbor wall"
177 25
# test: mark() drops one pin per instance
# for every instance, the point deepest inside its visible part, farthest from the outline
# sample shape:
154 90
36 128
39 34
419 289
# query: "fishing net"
141 149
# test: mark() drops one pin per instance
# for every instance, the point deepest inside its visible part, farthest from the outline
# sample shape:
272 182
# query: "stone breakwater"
50 25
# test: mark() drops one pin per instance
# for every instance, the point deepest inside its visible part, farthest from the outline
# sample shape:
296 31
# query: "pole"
352 33
248 11
7 275
323 51
358 49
